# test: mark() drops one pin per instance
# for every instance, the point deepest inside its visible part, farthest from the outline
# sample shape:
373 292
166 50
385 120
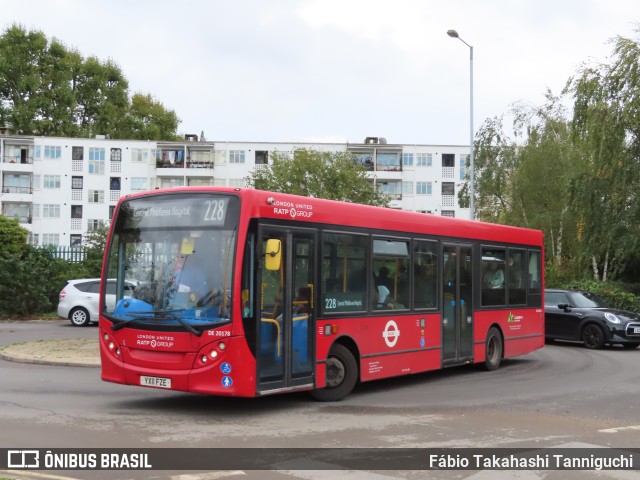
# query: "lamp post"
472 212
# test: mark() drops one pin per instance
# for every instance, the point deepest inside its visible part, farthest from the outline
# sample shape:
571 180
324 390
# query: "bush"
617 295
31 281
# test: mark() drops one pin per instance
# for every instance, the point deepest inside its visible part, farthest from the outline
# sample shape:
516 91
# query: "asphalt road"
561 396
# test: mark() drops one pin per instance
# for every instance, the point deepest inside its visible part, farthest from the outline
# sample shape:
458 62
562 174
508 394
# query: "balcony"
26 160
199 164
11 189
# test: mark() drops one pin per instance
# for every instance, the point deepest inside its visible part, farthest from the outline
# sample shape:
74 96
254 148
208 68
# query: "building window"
407 159
50 210
52 152
423 188
237 182
199 181
33 239
114 183
448 188
116 155
77 153
112 208
171 182
51 181
93 224
96 160
75 240
407 188
423 159
262 158
448 160
50 239
139 155
138 183
236 156
76 183
448 213
76 211
96 196
464 161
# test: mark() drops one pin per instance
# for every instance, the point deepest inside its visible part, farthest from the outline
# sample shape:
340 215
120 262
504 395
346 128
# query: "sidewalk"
75 352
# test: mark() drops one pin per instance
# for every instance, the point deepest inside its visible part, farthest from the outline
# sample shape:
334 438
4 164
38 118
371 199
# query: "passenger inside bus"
494 276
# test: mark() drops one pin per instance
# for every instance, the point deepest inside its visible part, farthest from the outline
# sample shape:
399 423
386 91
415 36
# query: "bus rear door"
457 306
286 309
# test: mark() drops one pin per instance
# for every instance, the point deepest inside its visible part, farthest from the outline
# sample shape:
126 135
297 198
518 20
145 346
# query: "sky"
336 70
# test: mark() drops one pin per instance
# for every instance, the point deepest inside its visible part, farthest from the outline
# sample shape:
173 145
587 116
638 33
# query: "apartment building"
61 188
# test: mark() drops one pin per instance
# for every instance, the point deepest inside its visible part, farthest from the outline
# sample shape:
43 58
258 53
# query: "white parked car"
79 299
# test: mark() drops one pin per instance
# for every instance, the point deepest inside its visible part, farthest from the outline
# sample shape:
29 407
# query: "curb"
35 361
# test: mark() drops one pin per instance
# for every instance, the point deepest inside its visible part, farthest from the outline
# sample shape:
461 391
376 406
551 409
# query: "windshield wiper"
157 315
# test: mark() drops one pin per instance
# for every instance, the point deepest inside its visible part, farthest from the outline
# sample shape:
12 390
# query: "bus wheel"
493 353
342 375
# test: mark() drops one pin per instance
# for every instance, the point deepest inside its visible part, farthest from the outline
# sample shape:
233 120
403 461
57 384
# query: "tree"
13 237
311 173
101 92
48 89
606 123
95 243
147 119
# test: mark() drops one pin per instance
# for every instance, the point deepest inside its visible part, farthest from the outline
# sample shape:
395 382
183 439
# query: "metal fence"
70 254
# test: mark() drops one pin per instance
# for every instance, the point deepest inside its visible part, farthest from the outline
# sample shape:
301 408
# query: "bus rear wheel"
493 352
342 375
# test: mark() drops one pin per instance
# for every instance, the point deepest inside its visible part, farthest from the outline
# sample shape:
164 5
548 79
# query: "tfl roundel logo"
391 333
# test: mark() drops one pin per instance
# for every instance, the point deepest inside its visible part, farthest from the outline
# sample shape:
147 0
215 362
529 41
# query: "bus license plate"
155 382
636 329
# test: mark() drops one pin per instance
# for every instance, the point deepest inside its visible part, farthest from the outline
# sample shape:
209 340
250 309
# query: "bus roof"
282 206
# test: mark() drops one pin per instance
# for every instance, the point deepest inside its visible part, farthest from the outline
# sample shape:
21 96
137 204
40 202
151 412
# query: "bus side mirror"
273 254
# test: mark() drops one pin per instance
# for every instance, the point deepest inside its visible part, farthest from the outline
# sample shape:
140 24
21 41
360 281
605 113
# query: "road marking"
208 475
620 429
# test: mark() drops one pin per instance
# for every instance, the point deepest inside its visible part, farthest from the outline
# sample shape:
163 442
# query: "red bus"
241 292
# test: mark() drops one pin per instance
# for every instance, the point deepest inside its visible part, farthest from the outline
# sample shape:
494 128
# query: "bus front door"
457 306
286 302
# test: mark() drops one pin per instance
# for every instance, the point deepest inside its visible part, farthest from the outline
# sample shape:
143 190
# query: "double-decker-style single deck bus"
241 292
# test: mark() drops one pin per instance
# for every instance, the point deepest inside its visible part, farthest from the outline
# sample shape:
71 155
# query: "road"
562 395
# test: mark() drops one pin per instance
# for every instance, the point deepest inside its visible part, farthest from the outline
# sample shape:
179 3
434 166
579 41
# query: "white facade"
61 188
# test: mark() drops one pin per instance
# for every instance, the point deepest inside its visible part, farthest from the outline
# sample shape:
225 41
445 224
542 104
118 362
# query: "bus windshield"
177 250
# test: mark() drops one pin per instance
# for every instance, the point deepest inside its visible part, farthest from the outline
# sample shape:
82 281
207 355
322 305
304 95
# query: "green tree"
311 173
48 89
95 243
606 124
101 92
13 237
149 119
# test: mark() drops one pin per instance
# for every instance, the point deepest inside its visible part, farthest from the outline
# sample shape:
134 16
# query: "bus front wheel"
342 375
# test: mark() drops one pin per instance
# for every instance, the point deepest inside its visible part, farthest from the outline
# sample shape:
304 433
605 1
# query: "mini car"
581 316
79 299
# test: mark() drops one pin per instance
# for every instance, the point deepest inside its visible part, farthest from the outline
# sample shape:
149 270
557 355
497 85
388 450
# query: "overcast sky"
335 70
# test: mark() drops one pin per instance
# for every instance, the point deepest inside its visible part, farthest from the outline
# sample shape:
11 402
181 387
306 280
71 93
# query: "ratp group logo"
23 459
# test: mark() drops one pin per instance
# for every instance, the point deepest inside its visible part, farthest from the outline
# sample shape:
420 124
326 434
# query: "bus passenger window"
391 262
344 272
493 291
425 270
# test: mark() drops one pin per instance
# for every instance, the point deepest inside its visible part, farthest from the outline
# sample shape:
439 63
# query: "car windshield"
586 300
179 250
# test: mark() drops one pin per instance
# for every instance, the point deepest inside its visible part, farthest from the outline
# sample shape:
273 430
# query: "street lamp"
454 34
